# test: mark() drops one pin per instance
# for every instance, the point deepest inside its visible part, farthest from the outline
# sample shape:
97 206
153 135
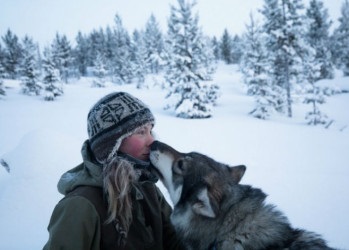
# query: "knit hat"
113 118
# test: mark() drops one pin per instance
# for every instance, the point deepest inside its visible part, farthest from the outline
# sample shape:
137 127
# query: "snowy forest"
282 56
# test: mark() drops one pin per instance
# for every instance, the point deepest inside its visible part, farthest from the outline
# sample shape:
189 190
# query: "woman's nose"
150 139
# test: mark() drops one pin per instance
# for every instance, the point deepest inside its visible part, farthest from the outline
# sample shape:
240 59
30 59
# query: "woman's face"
138 144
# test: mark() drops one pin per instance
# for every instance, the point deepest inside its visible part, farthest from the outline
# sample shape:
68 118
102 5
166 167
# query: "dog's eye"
179 167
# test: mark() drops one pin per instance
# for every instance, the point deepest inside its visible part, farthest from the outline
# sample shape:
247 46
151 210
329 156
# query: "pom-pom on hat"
113 118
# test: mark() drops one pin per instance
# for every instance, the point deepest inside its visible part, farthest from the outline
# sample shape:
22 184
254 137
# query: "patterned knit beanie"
113 118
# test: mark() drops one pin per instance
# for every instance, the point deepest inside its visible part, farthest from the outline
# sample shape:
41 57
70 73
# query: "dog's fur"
213 211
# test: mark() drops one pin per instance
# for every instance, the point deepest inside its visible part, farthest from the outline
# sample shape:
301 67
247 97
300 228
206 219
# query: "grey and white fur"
213 211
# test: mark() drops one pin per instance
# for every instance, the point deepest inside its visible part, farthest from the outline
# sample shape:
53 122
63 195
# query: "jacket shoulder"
74 224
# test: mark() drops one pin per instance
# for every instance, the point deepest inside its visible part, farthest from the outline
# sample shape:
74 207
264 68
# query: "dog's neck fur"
246 233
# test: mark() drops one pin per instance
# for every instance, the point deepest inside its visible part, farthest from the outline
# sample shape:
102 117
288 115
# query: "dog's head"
193 179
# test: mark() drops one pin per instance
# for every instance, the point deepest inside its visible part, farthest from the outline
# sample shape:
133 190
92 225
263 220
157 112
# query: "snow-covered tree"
121 64
80 54
314 95
317 36
62 56
255 69
13 54
285 32
110 49
138 57
236 49
191 95
215 48
52 82
2 57
97 43
99 71
226 47
2 76
30 69
154 45
341 40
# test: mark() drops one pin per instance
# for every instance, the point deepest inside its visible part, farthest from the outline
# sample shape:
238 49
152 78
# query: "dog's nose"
154 146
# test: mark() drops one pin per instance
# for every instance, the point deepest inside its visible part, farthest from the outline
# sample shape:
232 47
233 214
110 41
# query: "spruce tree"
99 71
121 64
226 47
317 36
97 44
2 76
110 49
216 49
188 65
80 54
154 46
52 83
314 95
285 41
138 57
341 40
255 69
13 54
236 49
2 57
62 56
30 68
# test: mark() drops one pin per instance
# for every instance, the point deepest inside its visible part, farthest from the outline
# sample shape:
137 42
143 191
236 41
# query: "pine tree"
314 94
2 58
341 40
97 43
215 48
121 64
62 56
236 49
138 57
30 68
318 37
188 65
99 71
285 35
154 45
13 54
80 54
2 76
52 83
255 69
226 47
2 72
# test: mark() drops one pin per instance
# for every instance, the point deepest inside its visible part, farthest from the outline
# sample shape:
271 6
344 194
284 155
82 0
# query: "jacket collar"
142 168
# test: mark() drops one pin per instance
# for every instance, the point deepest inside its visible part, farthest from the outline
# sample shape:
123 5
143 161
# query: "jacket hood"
88 173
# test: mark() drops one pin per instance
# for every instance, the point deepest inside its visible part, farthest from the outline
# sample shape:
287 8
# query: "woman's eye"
141 132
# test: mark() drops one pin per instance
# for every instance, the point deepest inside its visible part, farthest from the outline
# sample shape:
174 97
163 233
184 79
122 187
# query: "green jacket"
77 221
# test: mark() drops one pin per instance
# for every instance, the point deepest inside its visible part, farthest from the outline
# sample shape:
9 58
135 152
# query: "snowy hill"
303 169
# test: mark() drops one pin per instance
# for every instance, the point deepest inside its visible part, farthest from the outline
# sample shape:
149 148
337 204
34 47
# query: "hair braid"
119 175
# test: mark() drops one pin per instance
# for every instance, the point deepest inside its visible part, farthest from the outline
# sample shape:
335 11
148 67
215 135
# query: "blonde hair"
119 175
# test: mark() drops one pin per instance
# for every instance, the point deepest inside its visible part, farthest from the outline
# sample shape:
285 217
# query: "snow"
303 169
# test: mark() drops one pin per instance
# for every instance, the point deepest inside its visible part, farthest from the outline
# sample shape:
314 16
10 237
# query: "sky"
41 19
303 169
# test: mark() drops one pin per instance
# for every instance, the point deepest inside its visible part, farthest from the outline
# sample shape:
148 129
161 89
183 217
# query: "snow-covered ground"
303 169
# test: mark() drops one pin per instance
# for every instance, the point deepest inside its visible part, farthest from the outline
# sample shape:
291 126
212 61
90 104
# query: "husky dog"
213 211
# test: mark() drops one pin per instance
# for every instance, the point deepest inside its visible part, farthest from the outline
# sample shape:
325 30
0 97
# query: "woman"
111 200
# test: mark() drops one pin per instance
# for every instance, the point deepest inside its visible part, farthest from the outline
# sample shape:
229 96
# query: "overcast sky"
41 19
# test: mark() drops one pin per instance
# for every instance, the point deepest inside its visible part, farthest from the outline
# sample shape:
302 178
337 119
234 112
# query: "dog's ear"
237 172
202 205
